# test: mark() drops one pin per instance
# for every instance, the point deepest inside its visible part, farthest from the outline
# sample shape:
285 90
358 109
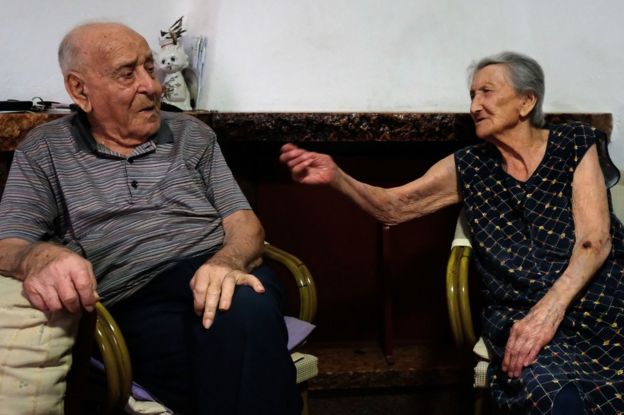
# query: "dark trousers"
240 365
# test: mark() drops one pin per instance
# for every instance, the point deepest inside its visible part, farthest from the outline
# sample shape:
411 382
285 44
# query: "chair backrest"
609 170
611 175
617 200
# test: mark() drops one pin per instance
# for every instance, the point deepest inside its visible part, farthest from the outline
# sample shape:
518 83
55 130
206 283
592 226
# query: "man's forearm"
12 252
244 242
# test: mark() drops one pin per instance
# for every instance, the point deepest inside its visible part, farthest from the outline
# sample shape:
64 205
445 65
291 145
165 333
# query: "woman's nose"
475 104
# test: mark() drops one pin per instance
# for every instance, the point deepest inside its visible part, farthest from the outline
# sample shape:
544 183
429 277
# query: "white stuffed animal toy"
172 60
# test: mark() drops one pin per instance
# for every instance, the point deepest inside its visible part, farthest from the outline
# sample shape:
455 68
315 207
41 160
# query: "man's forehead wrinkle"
120 50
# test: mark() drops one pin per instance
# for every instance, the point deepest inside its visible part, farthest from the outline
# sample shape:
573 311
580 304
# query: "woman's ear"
77 90
529 102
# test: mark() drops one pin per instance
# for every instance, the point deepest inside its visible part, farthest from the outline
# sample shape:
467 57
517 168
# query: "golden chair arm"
116 360
457 296
307 289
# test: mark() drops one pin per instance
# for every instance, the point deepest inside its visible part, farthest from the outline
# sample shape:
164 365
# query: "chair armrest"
303 278
457 296
116 360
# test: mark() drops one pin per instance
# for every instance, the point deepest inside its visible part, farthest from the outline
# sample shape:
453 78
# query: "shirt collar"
81 131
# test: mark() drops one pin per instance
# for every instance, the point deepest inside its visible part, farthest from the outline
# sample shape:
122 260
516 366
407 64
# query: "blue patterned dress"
523 235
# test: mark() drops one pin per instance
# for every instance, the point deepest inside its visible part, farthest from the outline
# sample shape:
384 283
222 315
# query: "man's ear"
77 90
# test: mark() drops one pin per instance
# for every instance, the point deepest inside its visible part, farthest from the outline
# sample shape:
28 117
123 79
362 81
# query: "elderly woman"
547 247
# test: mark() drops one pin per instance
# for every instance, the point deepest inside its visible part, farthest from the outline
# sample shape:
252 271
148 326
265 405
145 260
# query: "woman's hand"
308 167
528 336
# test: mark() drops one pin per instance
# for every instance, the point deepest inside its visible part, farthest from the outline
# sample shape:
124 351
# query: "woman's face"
495 106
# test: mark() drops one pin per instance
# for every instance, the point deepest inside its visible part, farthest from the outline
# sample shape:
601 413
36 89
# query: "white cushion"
480 374
462 234
35 354
137 407
481 350
480 370
306 364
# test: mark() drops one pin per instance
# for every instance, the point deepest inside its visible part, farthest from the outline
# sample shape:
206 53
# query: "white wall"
347 55
407 55
30 31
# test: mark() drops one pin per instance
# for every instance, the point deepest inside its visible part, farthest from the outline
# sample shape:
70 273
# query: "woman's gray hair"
524 74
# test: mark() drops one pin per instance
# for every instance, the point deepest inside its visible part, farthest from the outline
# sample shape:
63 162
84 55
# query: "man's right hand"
56 278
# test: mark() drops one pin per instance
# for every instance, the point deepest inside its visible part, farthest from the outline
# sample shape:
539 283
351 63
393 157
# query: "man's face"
123 94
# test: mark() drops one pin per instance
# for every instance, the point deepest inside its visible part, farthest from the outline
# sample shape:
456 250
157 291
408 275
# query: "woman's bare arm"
436 189
592 246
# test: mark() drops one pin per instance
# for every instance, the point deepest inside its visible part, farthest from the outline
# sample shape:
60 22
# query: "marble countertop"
316 126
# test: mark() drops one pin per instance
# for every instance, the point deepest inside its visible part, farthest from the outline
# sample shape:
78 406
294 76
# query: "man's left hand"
528 336
213 286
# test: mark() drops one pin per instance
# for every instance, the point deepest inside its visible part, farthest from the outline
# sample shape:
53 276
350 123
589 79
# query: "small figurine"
172 60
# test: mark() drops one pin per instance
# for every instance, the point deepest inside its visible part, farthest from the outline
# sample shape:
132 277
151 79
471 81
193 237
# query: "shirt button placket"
134 184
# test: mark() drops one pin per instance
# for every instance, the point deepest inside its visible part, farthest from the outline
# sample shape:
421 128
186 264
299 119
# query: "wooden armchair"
100 327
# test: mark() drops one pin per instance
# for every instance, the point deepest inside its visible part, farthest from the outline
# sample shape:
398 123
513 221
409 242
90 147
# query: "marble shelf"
315 126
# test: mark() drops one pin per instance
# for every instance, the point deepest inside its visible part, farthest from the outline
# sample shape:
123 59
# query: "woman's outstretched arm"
434 190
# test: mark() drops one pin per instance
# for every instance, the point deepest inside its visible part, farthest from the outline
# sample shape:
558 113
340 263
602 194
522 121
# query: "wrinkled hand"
213 286
528 336
57 278
308 167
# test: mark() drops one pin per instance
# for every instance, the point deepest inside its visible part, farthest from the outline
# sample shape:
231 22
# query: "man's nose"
148 84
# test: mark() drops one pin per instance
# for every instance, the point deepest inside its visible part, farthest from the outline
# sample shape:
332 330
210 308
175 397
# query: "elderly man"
138 208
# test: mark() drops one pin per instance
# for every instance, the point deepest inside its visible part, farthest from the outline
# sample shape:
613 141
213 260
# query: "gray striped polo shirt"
131 217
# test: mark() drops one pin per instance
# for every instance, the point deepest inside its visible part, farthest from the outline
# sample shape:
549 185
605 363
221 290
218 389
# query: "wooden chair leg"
481 400
305 396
